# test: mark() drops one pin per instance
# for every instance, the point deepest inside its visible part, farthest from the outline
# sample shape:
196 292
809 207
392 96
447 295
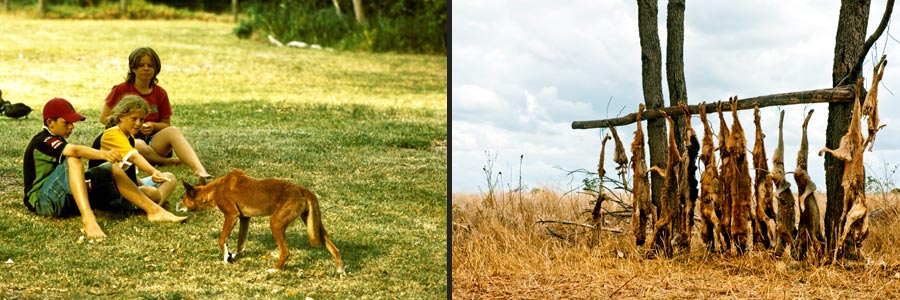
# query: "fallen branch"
556 235
542 221
843 93
621 286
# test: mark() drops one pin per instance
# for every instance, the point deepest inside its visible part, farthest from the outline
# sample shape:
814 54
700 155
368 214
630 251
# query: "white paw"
228 257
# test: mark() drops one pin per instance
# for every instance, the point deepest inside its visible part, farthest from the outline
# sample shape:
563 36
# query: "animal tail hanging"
314 220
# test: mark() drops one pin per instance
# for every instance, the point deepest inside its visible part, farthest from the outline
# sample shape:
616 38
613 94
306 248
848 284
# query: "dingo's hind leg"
242 233
334 253
279 222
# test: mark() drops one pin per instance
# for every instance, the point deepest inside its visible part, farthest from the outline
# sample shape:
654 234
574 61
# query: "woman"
157 139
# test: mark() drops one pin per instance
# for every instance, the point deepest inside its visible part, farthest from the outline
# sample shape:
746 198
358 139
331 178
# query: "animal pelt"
710 191
810 229
854 218
597 212
726 174
644 210
664 230
870 107
765 212
687 181
741 189
785 218
619 157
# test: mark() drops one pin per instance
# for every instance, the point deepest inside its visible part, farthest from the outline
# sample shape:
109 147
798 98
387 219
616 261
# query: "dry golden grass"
502 251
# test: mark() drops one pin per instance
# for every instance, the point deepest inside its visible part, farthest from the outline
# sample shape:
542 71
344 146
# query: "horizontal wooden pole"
843 93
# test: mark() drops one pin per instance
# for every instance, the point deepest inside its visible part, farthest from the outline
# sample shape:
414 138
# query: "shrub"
398 26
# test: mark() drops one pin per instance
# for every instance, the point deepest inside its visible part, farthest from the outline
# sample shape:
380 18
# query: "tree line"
357 25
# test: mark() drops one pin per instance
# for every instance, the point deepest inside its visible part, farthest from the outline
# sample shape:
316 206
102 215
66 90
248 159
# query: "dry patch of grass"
502 251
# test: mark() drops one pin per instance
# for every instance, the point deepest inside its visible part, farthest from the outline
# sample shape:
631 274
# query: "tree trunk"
675 64
42 8
123 8
6 5
651 75
234 9
337 7
358 10
848 47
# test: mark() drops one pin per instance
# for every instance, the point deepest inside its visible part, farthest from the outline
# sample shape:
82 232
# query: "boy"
55 176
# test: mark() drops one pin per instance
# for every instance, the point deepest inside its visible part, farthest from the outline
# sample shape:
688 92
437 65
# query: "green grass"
367 132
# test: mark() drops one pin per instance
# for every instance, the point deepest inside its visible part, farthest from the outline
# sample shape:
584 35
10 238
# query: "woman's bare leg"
171 138
152 156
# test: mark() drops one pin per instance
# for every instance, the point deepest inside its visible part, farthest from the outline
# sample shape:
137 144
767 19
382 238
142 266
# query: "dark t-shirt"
42 155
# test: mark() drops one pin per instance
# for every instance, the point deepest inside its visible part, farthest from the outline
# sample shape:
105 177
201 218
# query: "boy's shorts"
55 197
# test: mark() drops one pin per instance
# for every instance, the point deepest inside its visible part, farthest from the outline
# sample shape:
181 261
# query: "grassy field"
366 132
502 251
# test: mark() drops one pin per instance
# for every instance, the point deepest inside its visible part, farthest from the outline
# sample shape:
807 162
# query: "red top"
158 100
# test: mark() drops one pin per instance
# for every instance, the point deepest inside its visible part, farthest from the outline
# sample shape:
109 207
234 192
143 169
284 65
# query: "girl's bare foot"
165 216
93 231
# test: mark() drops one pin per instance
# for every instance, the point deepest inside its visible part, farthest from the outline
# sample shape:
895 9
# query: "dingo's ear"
188 189
201 180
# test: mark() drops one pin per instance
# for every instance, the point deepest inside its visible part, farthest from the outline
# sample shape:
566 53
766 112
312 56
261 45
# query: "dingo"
240 196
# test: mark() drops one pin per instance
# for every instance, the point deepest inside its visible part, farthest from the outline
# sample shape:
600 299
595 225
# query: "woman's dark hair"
134 61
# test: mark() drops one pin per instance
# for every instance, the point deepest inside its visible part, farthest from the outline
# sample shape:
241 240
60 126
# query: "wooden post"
234 9
841 94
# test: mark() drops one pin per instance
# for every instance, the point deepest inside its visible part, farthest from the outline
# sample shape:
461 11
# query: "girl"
123 123
157 139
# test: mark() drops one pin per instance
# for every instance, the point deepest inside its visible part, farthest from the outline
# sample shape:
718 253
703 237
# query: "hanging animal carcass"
785 218
763 231
644 210
810 230
710 190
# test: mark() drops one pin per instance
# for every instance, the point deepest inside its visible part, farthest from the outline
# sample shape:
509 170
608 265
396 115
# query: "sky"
523 71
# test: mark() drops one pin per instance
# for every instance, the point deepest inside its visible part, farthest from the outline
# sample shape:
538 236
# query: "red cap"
61 108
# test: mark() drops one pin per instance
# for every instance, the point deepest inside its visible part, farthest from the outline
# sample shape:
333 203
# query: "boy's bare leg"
152 156
79 192
130 191
172 138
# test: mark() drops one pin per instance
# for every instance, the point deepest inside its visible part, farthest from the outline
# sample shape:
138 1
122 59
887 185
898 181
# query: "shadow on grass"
260 243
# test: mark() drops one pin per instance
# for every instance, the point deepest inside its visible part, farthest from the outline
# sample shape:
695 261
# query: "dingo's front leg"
223 237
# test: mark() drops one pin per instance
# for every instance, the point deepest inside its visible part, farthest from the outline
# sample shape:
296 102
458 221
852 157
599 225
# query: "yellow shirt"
115 139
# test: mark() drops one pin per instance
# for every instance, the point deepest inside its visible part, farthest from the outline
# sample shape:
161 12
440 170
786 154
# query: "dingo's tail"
314 220
317 234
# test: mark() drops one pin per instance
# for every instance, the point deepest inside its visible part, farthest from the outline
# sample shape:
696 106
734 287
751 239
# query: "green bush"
398 26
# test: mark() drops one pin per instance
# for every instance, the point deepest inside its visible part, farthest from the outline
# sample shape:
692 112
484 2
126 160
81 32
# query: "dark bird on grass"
14 111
